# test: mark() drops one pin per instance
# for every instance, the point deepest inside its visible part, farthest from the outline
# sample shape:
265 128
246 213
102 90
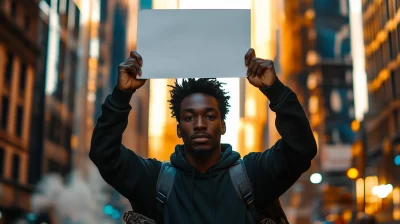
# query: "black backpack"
272 214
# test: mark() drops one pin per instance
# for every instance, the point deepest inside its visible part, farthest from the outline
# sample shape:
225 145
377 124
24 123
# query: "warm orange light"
355 125
360 192
352 173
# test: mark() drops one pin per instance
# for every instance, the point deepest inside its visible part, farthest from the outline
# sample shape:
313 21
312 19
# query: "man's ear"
223 127
178 131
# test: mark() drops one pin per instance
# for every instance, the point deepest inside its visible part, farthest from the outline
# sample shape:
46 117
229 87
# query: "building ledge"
13 141
19 186
13 36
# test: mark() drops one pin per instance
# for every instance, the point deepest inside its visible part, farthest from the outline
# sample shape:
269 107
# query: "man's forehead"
199 101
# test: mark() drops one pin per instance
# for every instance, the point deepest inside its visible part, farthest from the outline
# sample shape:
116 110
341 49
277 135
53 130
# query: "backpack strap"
165 183
241 181
244 189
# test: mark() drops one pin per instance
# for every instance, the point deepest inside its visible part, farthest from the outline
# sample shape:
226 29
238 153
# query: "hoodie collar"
228 157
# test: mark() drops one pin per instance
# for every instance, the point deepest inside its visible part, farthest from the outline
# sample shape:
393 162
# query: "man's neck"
203 162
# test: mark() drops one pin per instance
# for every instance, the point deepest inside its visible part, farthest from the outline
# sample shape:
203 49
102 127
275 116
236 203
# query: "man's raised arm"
278 168
120 167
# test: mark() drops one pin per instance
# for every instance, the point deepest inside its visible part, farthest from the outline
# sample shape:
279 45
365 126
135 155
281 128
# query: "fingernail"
140 73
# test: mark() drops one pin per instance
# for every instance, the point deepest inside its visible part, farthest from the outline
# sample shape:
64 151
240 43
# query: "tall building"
332 103
314 60
18 67
85 83
51 144
37 83
378 145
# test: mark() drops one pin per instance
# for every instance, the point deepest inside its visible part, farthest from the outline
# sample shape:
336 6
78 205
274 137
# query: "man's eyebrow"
191 110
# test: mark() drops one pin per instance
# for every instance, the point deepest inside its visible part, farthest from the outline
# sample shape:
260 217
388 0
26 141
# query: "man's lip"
201 140
201 136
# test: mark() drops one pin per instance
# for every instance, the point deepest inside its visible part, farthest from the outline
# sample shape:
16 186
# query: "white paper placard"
193 43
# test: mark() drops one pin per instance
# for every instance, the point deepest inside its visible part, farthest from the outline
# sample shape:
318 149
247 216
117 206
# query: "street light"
316 178
352 173
382 191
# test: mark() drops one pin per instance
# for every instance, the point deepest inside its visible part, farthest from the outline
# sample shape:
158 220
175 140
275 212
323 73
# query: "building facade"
38 67
18 64
51 147
377 145
18 50
331 105
314 60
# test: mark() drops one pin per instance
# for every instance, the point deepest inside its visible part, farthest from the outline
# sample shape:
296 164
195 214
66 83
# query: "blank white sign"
193 43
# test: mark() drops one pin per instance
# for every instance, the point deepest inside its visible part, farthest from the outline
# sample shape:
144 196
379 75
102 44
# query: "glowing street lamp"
382 191
352 173
316 178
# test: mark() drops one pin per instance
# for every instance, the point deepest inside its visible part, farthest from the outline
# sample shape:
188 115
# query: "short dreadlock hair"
208 86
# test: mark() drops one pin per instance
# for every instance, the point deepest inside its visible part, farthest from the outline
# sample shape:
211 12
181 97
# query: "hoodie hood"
228 157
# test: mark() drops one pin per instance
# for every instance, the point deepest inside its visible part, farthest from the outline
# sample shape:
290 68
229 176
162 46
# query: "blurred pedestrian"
202 182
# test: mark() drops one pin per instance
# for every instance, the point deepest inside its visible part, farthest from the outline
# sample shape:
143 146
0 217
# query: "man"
202 191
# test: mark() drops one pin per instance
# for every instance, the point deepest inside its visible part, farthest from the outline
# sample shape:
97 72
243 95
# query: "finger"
270 63
262 68
133 62
249 55
253 62
131 69
256 66
137 56
128 69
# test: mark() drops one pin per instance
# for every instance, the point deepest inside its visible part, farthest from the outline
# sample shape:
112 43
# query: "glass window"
2 154
15 170
4 112
20 120
22 80
9 68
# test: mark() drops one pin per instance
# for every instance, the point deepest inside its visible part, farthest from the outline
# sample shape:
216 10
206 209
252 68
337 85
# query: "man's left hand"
260 72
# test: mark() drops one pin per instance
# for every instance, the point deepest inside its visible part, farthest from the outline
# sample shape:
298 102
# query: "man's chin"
202 150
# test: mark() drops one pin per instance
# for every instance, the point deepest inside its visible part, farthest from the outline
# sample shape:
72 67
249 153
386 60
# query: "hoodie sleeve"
127 172
275 170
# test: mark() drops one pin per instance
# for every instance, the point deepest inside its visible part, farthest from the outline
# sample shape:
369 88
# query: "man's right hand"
127 72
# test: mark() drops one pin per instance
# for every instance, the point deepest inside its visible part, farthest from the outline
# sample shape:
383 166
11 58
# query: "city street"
60 60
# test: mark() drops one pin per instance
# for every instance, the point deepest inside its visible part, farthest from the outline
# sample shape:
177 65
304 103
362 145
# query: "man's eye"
210 117
188 118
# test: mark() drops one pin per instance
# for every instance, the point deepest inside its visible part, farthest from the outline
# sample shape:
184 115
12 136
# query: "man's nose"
200 123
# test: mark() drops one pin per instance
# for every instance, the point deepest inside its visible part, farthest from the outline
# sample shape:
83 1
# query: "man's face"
200 125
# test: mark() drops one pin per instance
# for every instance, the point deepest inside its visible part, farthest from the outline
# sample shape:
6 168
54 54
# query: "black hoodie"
210 197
